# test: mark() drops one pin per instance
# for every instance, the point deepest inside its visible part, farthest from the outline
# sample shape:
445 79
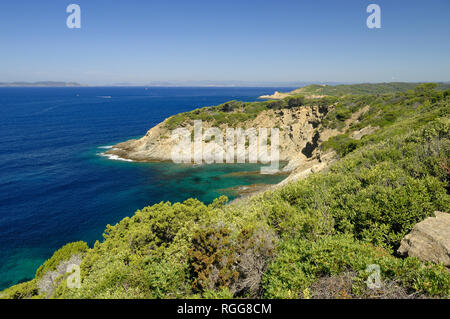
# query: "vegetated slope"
298 241
318 90
365 88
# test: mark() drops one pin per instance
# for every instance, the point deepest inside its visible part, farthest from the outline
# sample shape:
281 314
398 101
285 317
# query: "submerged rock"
429 240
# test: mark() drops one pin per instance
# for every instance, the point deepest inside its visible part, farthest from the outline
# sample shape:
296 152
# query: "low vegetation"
361 89
232 113
291 241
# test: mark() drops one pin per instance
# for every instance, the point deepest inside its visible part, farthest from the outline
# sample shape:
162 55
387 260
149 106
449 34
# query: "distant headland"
40 84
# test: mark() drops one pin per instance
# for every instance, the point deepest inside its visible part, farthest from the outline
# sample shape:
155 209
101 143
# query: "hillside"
386 167
317 90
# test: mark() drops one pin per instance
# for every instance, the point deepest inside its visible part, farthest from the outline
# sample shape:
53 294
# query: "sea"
56 185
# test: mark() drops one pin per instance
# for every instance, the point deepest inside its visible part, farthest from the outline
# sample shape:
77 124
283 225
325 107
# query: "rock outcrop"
281 95
276 96
357 135
429 240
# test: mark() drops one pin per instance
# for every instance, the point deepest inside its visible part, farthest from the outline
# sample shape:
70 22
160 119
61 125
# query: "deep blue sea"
55 188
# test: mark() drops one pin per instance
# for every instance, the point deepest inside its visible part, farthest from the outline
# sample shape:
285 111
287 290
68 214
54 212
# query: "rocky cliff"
300 135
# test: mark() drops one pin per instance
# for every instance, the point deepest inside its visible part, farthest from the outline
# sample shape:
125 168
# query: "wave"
115 157
107 147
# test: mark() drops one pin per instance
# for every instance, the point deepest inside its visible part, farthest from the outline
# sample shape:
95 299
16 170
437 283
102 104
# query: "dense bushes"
301 262
24 290
221 261
232 113
379 193
398 114
366 88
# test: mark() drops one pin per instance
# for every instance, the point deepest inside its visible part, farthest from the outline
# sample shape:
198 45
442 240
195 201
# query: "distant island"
40 84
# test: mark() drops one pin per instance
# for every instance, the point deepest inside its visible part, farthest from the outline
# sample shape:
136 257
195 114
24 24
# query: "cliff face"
298 136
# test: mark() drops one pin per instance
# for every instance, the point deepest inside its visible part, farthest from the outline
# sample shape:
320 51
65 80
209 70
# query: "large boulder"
429 240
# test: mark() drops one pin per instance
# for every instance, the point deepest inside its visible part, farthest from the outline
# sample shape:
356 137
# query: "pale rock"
429 240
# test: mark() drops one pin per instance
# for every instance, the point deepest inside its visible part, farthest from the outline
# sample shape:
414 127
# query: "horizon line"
206 83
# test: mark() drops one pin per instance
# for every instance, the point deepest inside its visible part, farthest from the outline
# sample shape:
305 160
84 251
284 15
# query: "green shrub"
301 262
221 260
25 290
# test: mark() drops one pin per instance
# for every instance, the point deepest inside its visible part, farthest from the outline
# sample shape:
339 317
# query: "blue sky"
246 40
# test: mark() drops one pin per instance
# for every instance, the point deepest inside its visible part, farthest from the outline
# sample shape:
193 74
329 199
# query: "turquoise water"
55 187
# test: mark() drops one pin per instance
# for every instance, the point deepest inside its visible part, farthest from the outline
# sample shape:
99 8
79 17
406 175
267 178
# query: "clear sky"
247 40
